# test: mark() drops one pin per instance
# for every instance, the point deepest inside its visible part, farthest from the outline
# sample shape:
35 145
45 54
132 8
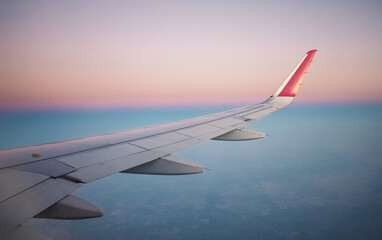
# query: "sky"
112 54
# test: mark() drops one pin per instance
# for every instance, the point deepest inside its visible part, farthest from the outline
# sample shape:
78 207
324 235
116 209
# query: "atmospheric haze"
81 54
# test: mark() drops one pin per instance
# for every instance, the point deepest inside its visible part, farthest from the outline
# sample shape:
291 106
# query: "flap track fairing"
240 135
168 165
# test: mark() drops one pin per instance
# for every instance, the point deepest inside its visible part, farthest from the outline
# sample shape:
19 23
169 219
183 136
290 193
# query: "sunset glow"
101 54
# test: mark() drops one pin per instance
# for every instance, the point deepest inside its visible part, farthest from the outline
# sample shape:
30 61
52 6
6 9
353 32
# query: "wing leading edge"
37 181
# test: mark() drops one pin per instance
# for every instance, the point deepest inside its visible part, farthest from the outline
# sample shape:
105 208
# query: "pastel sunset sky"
79 54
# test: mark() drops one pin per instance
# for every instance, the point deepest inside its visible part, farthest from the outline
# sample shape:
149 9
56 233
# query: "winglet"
292 83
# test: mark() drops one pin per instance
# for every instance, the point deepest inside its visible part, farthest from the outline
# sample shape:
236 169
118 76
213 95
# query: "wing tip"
312 51
292 83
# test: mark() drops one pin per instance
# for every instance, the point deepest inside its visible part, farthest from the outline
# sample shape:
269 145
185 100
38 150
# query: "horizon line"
187 105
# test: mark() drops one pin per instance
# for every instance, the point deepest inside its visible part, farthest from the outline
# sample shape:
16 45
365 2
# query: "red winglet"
293 84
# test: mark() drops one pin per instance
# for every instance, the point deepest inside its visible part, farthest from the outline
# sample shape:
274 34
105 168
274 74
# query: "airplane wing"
38 181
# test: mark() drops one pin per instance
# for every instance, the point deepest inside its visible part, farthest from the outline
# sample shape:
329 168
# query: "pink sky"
66 54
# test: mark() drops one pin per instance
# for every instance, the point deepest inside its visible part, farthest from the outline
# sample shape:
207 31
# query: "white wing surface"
37 181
